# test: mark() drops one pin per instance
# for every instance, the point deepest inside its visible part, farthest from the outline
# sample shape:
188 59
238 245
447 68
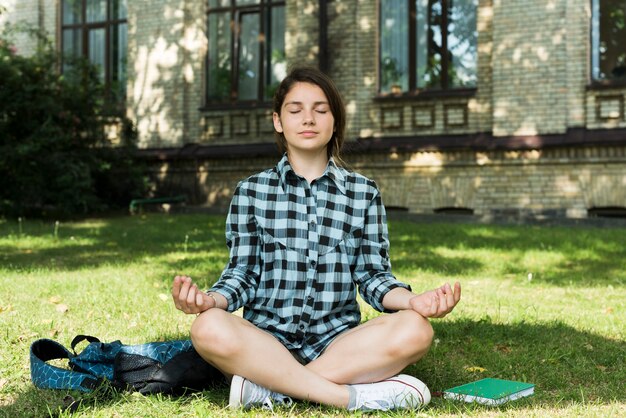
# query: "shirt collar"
333 172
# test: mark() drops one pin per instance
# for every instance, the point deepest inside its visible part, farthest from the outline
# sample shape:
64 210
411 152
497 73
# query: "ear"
277 125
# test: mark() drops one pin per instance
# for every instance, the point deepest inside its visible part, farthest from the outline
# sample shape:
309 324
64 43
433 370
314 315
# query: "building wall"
533 139
40 14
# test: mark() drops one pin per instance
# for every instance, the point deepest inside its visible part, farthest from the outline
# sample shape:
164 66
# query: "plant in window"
391 75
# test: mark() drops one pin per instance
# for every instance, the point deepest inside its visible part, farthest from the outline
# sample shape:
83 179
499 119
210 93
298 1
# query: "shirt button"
313 263
312 225
301 327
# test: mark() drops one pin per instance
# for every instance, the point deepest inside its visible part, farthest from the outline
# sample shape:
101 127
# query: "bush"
54 154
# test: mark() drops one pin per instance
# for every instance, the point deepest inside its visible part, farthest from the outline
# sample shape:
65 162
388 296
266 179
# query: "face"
305 119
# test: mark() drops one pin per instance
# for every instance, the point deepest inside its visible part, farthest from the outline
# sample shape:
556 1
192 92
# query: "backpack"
170 367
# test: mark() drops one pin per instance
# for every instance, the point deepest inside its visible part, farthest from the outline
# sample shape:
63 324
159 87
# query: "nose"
309 118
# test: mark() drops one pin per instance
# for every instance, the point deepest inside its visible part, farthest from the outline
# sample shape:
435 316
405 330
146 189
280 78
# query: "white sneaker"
244 393
397 392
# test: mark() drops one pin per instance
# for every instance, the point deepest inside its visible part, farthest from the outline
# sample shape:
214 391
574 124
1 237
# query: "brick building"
489 107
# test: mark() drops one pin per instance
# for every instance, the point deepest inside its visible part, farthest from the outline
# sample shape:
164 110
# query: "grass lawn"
540 304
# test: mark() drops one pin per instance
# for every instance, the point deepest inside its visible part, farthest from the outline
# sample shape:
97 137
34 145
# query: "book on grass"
490 391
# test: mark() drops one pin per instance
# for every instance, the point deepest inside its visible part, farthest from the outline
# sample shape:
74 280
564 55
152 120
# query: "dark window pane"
219 56
276 51
462 42
429 43
609 39
96 10
249 57
394 48
72 11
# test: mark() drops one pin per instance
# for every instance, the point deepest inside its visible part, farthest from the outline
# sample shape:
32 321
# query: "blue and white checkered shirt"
298 252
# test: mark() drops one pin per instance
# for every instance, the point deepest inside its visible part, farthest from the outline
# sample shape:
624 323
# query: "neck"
308 165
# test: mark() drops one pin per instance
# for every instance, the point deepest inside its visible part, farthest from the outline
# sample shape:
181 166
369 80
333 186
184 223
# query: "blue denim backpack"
171 367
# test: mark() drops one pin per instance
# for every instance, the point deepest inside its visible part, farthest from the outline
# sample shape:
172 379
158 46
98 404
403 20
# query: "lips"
308 133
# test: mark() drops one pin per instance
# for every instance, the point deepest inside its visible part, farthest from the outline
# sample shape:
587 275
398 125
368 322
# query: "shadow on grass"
574 256
567 365
564 363
114 241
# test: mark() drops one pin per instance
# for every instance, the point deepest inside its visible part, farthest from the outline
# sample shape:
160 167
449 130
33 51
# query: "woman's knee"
414 335
212 333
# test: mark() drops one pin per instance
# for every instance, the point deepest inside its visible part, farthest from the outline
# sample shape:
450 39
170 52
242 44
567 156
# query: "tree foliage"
54 153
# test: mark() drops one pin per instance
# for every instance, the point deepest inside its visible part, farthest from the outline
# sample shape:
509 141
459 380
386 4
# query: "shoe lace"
281 399
387 399
275 398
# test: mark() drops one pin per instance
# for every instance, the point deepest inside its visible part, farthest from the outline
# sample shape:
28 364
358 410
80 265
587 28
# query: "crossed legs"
371 352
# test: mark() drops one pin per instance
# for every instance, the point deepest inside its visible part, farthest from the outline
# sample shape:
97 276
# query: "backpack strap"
47 376
80 338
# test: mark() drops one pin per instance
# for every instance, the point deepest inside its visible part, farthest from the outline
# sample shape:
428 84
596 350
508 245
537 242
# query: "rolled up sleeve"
372 271
240 277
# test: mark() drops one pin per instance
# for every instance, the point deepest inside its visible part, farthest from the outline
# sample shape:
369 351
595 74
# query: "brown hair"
305 74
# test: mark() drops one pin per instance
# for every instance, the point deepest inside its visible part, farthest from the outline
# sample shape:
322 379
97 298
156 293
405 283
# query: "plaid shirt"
298 251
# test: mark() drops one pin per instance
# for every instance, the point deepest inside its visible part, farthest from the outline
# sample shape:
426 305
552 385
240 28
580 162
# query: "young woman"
304 237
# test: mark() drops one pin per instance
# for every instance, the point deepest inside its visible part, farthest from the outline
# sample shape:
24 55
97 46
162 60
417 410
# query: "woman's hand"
188 298
437 303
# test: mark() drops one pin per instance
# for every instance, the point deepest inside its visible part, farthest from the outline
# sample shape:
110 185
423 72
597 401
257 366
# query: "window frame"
413 90
84 27
264 10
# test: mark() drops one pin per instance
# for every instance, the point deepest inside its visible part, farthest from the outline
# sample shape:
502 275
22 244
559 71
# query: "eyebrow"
300 103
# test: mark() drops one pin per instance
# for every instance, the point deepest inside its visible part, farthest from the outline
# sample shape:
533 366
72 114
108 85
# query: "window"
608 35
246 51
427 44
97 30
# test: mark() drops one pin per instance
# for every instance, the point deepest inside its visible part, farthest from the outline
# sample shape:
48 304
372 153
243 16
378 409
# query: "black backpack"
170 367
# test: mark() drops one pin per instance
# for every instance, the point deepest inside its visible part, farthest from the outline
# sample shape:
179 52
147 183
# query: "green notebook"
490 391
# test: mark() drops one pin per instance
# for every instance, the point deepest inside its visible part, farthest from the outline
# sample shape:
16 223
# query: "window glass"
219 3
429 43
462 43
608 39
119 9
249 57
394 33
72 45
96 10
72 11
219 56
97 50
118 48
246 50
276 52
103 32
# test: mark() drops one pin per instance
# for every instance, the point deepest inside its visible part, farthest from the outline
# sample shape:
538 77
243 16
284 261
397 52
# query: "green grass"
541 304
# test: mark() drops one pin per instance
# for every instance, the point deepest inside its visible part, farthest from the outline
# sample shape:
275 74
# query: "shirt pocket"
347 249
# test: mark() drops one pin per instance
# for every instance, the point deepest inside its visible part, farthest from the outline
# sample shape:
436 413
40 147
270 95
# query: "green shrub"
54 154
